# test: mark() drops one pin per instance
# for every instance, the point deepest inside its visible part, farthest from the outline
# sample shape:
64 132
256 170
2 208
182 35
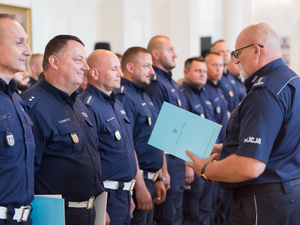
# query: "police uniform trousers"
222 206
281 207
198 203
141 217
118 206
170 211
80 216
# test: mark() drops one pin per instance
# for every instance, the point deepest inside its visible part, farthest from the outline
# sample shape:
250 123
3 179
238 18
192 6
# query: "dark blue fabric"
117 156
139 108
31 82
266 125
118 207
79 216
230 92
164 88
62 166
16 162
215 95
240 87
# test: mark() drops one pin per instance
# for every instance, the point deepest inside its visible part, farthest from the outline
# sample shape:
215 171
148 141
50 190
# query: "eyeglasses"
236 55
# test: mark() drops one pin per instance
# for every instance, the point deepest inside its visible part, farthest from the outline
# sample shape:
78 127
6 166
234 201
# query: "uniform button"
292 201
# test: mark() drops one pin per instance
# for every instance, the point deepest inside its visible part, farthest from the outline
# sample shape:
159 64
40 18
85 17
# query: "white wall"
125 23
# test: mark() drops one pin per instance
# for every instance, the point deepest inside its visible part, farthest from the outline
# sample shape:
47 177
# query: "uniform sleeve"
130 109
40 130
157 94
262 115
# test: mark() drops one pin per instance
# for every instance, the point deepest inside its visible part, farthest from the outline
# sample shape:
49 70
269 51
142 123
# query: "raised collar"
57 93
163 73
262 72
131 85
8 88
100 94
192 87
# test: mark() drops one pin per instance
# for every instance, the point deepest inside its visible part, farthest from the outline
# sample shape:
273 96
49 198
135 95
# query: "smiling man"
114 132
67 161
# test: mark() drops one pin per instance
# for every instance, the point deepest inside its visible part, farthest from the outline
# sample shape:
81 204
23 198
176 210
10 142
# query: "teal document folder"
177 130
48 211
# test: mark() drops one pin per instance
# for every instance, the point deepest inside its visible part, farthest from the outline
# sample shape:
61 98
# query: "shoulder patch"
261 82
88 100
32 99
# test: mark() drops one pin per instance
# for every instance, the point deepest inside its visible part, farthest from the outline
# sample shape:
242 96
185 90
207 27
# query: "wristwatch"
160 179
202 175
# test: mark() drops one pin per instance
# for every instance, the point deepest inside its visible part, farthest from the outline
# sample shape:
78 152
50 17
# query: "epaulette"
260 83
89 100
32 99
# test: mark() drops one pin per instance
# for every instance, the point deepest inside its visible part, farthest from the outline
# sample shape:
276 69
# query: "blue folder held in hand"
177 130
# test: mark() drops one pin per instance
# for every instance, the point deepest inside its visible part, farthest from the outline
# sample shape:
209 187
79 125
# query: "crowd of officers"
51 137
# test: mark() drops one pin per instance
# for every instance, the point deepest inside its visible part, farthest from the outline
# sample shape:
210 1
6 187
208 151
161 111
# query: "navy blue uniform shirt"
67 161
114 134
197 102
266 125
31 82
142 115
229 91
215 95
241 90
164 88
16 152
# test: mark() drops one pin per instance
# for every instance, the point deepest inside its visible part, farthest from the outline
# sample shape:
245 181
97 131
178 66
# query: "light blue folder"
48 211
177 130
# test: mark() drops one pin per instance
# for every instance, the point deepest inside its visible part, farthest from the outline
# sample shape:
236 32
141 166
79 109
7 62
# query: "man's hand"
160 192
143 198
107 219
189 175
217 149
197 163
167 180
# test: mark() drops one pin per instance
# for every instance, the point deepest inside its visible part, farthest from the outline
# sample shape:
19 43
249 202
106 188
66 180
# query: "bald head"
162 52
105 70
255 56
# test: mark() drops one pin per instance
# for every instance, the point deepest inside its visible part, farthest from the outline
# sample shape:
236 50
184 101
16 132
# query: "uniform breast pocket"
111 135
67 140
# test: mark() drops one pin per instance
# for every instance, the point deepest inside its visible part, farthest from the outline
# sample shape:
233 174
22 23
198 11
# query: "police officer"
214 64
67 161
16 138
114 134
21 79
36 67
227 82
235 70
198 196
164 88
137 69
259 164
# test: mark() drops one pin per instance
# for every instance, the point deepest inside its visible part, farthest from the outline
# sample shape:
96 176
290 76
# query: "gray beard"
243 73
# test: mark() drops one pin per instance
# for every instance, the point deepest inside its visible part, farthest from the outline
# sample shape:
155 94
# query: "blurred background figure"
36 67
21 79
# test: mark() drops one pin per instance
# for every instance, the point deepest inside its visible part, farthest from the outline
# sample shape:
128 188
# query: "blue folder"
177 130
48 211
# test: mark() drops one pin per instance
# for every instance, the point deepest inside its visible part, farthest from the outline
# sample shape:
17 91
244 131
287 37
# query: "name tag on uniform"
63 121
178 102
74 138
10 140
231 94
149 120
117 135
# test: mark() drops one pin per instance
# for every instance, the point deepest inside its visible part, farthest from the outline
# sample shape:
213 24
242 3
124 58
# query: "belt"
86 204
128 186
21 214
260 189
150 176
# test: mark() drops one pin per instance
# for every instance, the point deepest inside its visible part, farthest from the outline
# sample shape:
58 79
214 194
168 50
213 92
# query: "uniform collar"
208 82
101 95
8 88
57 93
262 72
192 87
132 85
163 73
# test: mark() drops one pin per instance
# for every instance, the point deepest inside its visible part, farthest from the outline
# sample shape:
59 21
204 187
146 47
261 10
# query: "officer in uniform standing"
137 69
164 88
259 164
227 82
198 196
67 161
16 142
114 134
